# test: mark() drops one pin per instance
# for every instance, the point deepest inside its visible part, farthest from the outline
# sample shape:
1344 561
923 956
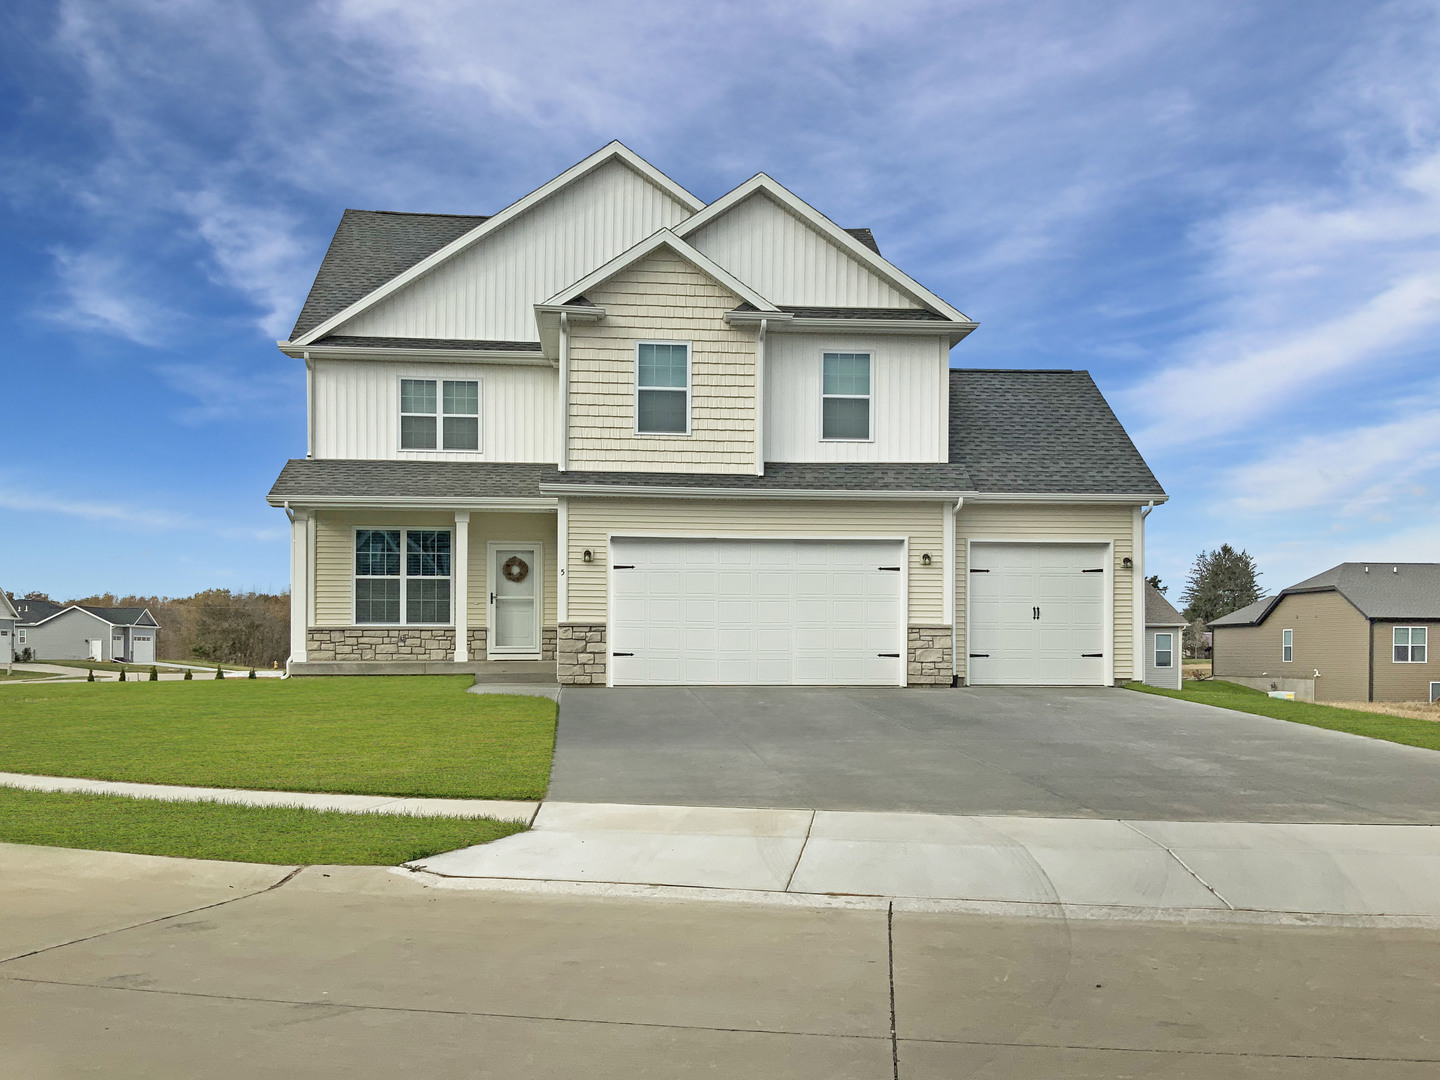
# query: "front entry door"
515 597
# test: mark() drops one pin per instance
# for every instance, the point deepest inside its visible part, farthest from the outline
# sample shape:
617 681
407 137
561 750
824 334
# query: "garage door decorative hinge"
979 656
622 654
887 568
630 566
889 655
1101 570
1089 655
975 571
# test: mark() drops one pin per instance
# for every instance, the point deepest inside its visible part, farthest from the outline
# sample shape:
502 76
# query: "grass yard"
1373 725
237 833
21 676
404 735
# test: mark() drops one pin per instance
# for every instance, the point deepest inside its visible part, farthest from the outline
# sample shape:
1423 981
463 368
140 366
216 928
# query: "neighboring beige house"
624 435
1164 633
1357 632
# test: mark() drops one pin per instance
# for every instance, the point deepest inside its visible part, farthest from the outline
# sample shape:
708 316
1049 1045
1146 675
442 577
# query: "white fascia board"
7 609
66 611
615 151
351 502
954 331
471 356
630 491
547 321
880 265
1048 497
659 239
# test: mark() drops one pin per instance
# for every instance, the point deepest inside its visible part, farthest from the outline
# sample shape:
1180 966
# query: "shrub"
90 675
122 675
219 672
252 674
154 674
189 674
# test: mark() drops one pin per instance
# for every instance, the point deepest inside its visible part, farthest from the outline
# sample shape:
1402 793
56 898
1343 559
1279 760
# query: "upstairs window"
441 415
417 585
845 396
662 388
1411 644
1287 646
1164 650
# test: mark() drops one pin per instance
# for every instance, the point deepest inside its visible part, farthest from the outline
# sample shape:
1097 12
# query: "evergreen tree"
1154 582
1221 581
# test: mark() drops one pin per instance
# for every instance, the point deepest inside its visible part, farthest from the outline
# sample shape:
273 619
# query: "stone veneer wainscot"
931 653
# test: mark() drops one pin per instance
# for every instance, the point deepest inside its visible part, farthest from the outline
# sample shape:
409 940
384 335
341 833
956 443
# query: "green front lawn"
405 735
238 833
1227 695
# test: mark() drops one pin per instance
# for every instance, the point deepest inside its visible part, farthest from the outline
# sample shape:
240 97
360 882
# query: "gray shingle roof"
352 342
120 616
348 479
1248 615
797 476
866 237
1042 432
898 314
1381 590
1158 610
368 249
32 611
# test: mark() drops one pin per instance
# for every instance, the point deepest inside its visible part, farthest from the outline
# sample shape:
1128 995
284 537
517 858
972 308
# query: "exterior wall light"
925 559
1128 563
589 555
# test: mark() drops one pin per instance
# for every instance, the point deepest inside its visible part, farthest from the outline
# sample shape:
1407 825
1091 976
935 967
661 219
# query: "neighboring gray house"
9 617
1164 631
81 632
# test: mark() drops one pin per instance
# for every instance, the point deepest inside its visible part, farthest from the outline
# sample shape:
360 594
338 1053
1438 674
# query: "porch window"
662 388
417 586
845 396
443 414
1411 646
1287 646
1164 650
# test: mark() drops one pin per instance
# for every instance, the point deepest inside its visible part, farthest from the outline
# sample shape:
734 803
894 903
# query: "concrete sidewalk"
1157 867
503 809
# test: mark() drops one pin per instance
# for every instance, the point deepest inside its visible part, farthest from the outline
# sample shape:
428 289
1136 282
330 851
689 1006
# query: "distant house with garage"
1164 632
1357 632
9 619
81 632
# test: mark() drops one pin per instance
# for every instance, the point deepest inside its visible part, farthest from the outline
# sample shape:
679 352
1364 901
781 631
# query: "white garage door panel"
1064 585
761 612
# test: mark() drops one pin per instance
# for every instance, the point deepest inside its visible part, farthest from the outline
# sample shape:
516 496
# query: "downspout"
563 460
309 407
1370 693
954 607
1139 629
760 399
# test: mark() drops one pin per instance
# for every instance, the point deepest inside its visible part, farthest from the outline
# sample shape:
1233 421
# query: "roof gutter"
367 352
1061 497
642 490
415 502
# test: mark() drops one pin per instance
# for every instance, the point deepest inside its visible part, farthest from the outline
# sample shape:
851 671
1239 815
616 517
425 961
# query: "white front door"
1037 614
757 612
515 599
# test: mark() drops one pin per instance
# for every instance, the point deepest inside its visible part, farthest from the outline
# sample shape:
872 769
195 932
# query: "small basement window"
1411 644
845 396
1287 646
1164 650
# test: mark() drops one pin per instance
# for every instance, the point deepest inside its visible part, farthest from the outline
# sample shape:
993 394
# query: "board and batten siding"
335 556
1330 636
592 521
357 410
1054 521
788 262
906 373
488 292
662 298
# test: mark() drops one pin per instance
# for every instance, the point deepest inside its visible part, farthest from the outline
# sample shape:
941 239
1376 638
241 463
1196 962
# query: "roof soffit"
615 151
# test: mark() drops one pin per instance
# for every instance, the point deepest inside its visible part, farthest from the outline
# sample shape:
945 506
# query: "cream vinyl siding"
788 262
505 528
487 292
662 298
1330 636
1054 521
592 520
909 391
357 410
335 556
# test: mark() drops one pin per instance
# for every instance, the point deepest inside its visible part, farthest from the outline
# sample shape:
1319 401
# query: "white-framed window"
1164 650
845 402
402 576
1411 644
1287 646
662 388
20 635
439 414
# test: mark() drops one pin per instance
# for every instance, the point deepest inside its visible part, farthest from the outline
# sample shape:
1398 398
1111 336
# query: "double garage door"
758 612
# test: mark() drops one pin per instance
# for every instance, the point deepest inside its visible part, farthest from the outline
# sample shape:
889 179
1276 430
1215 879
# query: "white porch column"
460 588
300 585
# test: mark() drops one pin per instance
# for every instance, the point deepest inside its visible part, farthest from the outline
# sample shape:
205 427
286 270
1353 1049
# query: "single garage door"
142 649
1037 614
757 612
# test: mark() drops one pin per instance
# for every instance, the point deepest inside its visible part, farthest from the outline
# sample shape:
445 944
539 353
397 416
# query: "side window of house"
1411 644
439 414
662 388
845 396
1287 646
416 587
1164 650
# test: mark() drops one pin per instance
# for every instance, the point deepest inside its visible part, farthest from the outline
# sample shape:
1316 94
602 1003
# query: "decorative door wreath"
515 569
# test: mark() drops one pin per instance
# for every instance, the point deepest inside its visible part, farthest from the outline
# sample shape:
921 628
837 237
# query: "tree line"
217 625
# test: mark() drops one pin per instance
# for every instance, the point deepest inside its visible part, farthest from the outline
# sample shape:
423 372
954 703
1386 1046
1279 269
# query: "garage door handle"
1088 655
622 654
889 655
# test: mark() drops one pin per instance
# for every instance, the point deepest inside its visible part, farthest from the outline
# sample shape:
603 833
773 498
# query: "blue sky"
1228 212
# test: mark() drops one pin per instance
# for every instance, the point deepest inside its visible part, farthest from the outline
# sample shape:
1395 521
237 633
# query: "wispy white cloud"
219 391
143 518
97 293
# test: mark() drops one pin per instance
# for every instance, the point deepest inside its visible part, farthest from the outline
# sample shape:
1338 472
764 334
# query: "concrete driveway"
1009 751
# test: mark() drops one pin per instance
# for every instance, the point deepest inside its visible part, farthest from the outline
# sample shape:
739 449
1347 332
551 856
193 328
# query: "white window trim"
439 415
689 396
20 635
404 577
1155 658
1410 644
870 397
1283 646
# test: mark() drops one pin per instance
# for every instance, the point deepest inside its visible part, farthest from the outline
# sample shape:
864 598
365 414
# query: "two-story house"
655 441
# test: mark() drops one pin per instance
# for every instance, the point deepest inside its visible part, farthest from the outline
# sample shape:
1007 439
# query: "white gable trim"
67 611
615 151
7 609
878 265
667 239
